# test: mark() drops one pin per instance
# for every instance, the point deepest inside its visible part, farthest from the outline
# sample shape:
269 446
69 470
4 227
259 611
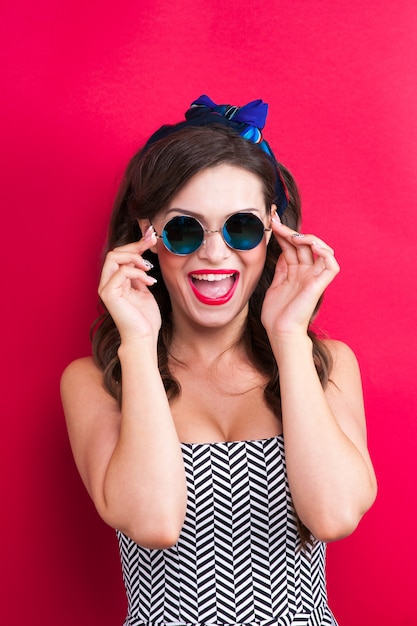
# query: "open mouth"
214 287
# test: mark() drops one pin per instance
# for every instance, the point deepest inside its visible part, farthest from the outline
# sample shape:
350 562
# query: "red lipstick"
214 287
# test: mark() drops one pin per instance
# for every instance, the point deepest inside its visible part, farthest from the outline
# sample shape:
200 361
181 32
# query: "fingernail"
147 264
275 218
297 235
150 233
314 243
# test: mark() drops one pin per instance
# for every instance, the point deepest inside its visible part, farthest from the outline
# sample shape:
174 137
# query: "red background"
83 84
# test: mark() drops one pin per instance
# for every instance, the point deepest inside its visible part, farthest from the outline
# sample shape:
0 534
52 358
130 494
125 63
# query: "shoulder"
80 367
79 371
81 376
82 389
339 349
343 357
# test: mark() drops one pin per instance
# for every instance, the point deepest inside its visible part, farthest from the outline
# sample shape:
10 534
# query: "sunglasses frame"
211 232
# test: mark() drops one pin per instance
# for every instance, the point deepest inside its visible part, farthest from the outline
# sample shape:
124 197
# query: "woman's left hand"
304 269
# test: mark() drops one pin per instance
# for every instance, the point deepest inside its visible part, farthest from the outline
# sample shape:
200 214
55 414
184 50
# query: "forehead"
224 187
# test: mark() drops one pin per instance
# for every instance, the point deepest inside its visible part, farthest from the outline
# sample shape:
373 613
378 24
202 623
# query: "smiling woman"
213 430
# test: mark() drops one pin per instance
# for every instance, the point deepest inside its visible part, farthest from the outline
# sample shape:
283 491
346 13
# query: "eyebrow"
201 216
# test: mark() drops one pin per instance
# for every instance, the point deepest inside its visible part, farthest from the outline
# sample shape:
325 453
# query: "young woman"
213 429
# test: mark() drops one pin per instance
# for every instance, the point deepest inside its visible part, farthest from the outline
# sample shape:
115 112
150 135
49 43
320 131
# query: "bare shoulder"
83 392
344 361
83 380
339 348
78 371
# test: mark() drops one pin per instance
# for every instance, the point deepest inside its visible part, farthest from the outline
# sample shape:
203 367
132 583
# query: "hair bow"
249 119
253 113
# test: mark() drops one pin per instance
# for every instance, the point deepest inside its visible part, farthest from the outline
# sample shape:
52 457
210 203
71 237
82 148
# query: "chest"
224 408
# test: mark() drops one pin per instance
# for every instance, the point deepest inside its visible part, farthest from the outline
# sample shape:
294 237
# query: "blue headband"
248 121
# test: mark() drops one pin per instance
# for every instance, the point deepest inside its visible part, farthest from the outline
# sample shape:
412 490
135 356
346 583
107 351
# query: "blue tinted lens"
243 231
183 235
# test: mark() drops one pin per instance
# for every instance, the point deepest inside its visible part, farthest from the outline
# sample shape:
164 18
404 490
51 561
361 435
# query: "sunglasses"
184 234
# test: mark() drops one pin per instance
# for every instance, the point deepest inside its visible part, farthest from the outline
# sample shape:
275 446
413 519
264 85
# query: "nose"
214 248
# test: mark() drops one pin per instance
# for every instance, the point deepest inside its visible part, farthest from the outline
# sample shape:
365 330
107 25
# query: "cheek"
254 262
171 265
255 258
166 258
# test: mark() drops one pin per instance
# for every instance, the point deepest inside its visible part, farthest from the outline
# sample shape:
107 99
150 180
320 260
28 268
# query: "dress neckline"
232 442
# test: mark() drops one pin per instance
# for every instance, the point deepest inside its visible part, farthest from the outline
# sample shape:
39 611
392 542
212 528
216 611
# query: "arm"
329 470
130 460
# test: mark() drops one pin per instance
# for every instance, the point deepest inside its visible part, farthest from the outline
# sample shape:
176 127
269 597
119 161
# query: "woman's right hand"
124 289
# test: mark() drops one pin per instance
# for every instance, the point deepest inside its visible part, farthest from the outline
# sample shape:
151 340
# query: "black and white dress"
238 559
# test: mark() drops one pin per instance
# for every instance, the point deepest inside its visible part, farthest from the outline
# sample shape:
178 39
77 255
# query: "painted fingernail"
147 264
297 235
150 233
275 219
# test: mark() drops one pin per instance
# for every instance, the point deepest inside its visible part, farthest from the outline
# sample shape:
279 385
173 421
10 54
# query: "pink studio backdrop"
83 84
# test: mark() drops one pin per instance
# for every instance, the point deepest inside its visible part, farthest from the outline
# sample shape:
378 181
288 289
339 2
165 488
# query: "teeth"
211 277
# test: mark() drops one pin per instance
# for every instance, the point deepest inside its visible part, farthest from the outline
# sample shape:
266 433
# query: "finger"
305 253
308 247
325 267
296 250
281 270
148 240
316 243
130 254
117 280
300 241
118 258
326 255
303 239
283 236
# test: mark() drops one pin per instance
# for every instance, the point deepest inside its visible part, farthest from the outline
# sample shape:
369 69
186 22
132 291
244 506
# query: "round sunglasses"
184 234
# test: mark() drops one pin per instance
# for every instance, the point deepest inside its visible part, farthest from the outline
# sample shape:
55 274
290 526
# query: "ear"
272 214
144 225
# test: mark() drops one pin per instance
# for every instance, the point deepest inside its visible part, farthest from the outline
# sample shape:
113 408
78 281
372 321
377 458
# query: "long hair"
153 176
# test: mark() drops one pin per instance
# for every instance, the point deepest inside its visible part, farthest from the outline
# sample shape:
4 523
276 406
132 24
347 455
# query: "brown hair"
153 176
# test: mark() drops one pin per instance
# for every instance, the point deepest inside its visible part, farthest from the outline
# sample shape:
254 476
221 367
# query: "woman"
223 440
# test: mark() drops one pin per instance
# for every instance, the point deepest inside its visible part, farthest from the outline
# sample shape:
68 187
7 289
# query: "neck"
195 343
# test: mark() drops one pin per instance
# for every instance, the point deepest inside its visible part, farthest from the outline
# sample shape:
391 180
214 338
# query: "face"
212 285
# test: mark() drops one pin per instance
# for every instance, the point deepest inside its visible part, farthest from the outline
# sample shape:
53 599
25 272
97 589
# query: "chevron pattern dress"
237 561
